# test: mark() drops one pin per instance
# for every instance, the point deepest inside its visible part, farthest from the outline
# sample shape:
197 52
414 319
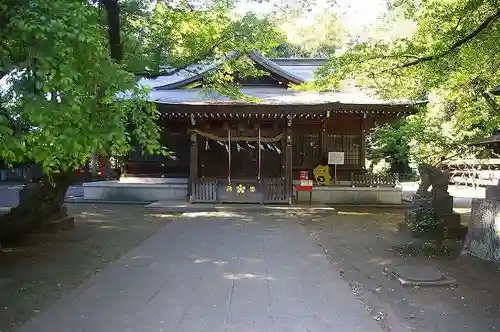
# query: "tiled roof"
295 70
266 96
167 89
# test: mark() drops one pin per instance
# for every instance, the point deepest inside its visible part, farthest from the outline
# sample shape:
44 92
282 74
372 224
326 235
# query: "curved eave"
274 68
255 56
199 75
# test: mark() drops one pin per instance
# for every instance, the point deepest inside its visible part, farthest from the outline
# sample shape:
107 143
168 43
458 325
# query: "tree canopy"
65 70
447 53
311 37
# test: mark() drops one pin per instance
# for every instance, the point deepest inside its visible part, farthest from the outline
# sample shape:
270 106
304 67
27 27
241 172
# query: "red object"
303 188
304 175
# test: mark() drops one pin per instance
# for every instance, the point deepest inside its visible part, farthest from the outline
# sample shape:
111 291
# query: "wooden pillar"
288 159
193 162
362 148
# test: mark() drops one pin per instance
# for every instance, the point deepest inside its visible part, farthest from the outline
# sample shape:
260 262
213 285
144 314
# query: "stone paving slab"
183 206
212 272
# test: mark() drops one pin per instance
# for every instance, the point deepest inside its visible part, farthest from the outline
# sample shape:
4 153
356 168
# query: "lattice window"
347 143
306 149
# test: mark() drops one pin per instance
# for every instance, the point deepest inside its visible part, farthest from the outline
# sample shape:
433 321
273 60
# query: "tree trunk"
39 203
113 16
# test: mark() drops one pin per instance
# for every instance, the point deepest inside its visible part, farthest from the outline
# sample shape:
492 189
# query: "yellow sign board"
322 174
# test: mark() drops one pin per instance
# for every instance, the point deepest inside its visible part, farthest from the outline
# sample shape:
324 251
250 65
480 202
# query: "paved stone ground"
50 265
215 272
359 242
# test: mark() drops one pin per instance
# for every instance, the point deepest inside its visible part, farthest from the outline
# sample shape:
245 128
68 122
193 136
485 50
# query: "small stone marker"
421 276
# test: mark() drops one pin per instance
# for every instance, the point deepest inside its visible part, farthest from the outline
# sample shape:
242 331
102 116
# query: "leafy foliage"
63 88
63 95
167 38
451 56
311 38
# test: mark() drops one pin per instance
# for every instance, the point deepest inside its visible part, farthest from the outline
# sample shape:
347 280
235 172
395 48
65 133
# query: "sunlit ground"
46 266
360 243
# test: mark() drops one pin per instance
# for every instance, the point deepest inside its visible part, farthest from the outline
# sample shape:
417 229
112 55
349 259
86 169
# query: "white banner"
306 183
336 158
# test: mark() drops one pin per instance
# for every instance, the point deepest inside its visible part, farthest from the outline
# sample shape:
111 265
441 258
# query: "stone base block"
149 190
483 238
451 220
354 195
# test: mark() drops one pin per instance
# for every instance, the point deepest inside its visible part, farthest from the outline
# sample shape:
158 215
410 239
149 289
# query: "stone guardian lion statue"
435 177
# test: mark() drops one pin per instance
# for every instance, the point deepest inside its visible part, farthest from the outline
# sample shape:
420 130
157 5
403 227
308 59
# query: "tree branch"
491 102
198 59
459 43
395 56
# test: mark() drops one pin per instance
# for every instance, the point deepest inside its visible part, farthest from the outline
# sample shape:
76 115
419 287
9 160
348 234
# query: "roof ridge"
274 67
255 56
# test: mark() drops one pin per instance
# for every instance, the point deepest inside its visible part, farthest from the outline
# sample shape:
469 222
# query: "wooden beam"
318 111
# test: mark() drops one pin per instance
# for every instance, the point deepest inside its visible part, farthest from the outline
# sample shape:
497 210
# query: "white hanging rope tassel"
207 146
260 155
250 146
269 147
238 147
277 149
262 147
228 147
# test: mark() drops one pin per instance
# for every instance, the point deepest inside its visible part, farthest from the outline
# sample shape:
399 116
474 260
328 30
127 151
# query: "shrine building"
253 150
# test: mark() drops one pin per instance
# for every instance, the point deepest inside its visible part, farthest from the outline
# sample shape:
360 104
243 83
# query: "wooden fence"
204 190
212 190
476 173
374 180
275 191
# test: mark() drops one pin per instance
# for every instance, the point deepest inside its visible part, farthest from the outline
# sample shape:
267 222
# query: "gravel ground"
360 242
48 266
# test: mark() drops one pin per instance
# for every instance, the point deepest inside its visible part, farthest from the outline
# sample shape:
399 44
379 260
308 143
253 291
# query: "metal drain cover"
421 276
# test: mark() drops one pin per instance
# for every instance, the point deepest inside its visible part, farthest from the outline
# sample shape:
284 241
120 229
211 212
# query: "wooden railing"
205 190
374 180
275 191
211 190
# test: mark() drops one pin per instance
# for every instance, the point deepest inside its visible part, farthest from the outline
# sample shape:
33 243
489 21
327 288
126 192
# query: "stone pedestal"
483 238
433 214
